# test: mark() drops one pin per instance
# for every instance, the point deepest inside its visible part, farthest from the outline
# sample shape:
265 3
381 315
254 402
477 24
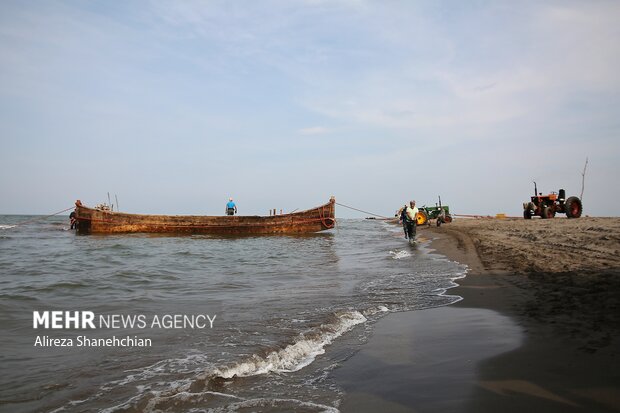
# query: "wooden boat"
104 221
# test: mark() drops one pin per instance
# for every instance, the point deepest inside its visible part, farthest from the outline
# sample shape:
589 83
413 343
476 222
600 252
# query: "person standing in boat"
231 208
411 215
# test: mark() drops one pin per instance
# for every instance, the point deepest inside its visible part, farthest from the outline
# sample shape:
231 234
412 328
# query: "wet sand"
537 330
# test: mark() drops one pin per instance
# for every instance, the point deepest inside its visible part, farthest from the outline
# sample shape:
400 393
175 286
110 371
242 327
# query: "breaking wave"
206 388
293 357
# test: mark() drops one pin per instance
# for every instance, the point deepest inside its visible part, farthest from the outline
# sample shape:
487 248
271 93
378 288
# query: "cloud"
315 130
187 87
490 73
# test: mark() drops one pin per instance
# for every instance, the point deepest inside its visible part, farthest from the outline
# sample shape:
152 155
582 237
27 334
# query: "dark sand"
537 330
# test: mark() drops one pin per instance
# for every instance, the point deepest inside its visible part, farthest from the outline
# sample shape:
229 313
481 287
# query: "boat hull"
96 221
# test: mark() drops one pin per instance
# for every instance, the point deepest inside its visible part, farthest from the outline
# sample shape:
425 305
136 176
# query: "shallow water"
289 310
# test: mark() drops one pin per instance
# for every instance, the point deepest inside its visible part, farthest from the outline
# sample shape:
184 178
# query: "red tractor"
546 206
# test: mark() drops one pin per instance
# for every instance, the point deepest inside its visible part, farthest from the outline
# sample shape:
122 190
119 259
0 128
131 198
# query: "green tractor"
546 206
440 213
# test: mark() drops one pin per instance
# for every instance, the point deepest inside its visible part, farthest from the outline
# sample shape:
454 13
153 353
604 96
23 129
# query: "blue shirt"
230 205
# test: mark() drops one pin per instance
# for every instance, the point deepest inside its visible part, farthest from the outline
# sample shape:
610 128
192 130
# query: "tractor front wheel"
527 214
547 212
573 207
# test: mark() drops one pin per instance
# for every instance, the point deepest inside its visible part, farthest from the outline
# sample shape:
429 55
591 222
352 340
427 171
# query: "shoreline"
567 357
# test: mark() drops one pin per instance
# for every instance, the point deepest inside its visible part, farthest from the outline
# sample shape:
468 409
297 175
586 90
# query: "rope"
359 210
39 218
324 219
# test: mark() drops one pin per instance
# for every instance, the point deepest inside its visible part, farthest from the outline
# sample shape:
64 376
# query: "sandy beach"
537 330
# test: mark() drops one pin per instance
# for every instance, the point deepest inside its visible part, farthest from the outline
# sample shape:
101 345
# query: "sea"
285 311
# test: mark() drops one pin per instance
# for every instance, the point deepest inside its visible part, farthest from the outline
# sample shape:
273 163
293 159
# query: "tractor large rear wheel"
422 218
573 207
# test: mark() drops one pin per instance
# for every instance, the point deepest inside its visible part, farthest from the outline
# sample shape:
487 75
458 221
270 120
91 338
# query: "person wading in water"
411 215
402 218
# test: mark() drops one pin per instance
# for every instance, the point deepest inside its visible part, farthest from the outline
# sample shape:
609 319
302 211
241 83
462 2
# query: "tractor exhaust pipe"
562 196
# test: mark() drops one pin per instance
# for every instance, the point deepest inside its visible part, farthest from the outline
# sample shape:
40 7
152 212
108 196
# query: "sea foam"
296 355
397 255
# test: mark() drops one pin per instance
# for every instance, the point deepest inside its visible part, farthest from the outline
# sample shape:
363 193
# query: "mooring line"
359 210
38 218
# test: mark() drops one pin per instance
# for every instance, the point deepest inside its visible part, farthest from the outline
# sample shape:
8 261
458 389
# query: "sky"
175 106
